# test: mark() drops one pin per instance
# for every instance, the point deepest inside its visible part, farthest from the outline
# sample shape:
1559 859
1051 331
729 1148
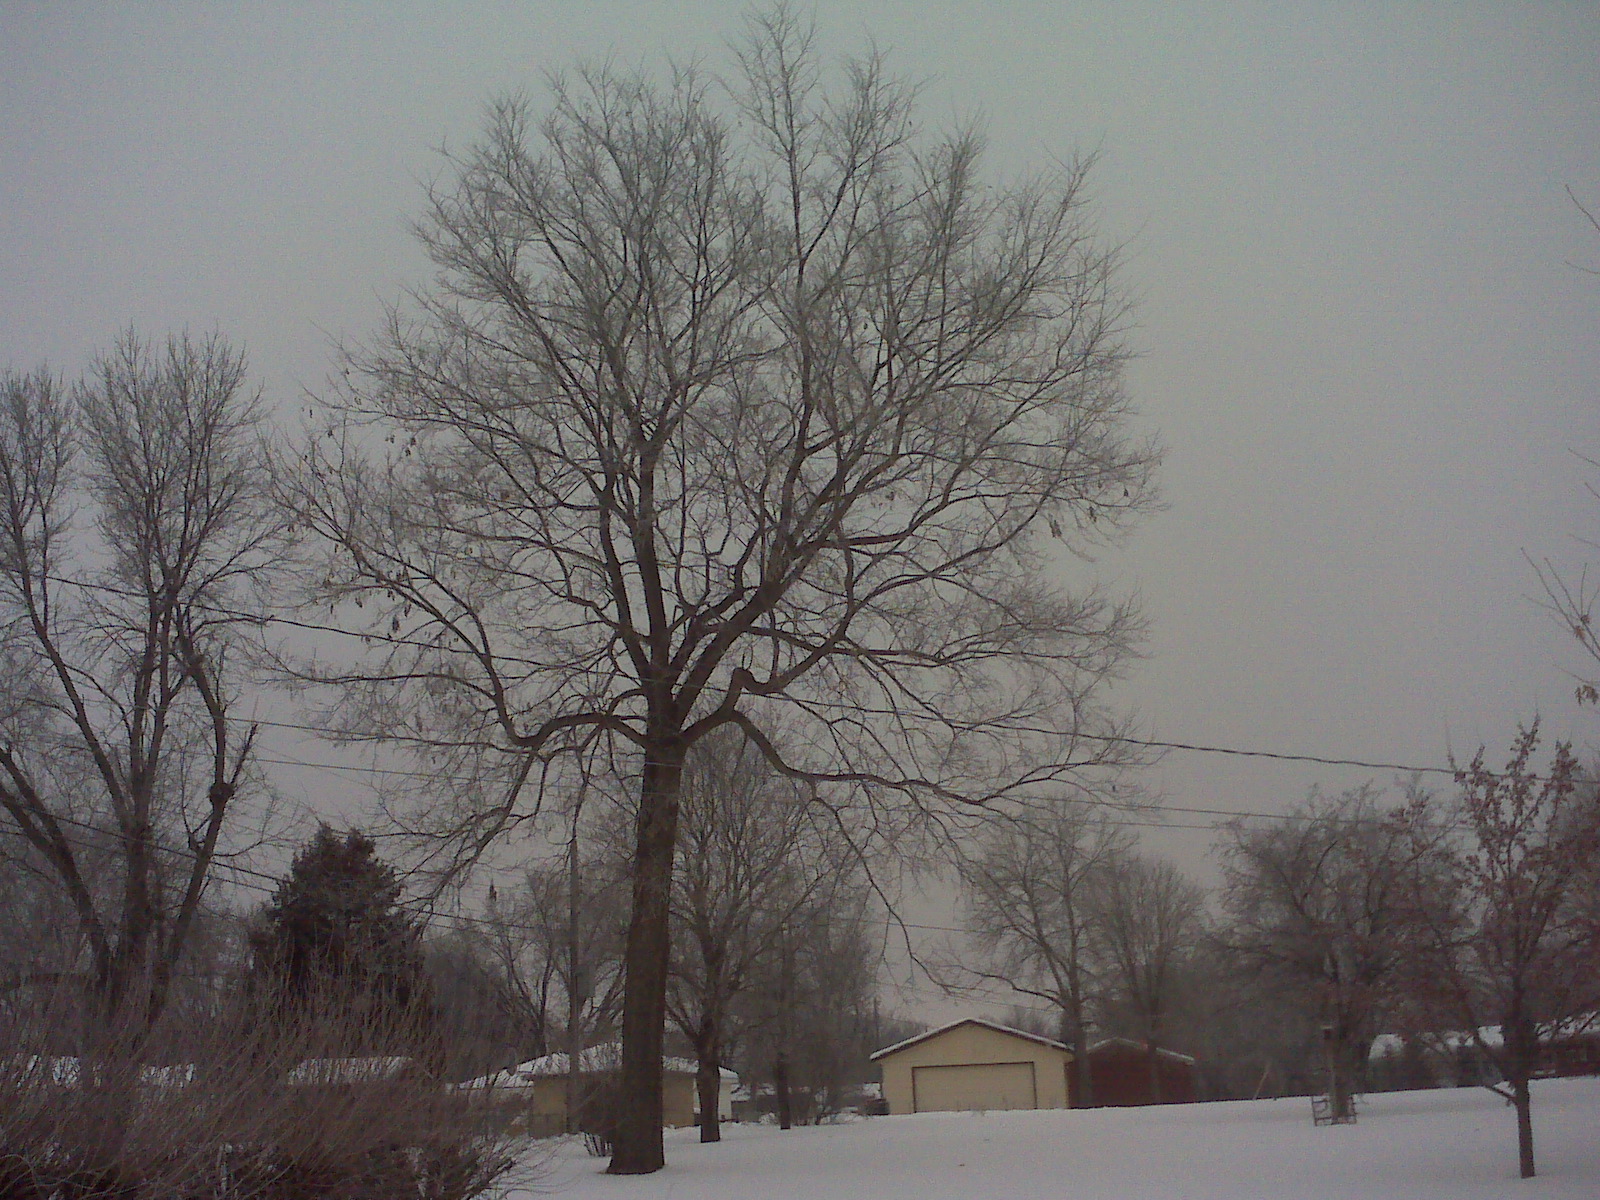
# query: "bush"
260 1116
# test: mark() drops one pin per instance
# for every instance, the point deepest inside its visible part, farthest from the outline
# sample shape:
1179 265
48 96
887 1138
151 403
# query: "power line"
1281 756
1326 760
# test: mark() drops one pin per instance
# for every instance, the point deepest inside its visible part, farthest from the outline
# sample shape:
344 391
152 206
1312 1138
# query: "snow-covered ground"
1437 1145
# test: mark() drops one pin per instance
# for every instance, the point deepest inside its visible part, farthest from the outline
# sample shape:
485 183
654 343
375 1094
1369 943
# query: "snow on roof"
596 1060
63 1071
1142 1048
1576 1025
177 1075
347 1070
994 1025
1440 1043
59 1070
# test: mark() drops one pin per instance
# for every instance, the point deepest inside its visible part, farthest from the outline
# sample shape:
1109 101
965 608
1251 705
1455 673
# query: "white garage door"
974 1087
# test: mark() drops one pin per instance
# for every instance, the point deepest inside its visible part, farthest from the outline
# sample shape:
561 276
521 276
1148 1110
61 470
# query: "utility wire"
1109 739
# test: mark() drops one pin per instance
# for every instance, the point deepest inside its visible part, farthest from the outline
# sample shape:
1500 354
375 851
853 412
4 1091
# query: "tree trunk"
1524 1106
637 1148
1074 1034
1341 1103
780 1086
708 1079
1152 1053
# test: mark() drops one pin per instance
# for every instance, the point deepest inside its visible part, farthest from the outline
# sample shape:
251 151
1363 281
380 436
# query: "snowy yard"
1437 1145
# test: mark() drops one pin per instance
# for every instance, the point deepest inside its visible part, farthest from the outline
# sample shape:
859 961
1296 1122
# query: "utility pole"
576 984
780 1066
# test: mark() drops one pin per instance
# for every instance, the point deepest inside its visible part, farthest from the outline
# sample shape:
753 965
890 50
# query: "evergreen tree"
334 942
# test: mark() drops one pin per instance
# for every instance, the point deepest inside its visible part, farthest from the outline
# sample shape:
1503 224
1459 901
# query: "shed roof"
1141 1047
995 1026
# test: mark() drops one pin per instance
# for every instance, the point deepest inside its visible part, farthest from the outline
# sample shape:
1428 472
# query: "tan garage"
974 1066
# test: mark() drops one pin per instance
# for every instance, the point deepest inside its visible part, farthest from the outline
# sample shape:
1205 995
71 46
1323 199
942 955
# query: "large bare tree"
1318 904
132 517
727 403
1033 899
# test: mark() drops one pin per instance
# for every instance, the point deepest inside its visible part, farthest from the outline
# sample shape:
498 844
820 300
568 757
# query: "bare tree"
755 855
132 515
524 966
1502 939
1570 598
558 941
807 1014
1031 908
1149 920
730 405
1318 904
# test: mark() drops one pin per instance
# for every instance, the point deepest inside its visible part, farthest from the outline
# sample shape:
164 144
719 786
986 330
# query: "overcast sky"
1363 331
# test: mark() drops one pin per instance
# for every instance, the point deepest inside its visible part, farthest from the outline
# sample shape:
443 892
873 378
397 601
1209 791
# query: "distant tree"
1149 921
1032 903
134 523
335 942
755 854
559 940
479 1024
809 1016
1251 1033
1502 936
524 965
1318 904
731 407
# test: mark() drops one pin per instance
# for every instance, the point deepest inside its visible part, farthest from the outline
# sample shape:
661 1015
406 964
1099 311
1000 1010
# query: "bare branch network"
733 402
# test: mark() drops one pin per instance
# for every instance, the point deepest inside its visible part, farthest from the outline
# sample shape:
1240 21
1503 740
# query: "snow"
63 1071
1457 1144
333 1071
596 1060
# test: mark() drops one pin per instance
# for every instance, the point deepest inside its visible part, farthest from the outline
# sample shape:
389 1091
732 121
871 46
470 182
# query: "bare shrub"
260 1112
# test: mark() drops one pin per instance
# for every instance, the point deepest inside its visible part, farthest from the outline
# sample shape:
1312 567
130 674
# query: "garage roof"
998 1028
1141 1047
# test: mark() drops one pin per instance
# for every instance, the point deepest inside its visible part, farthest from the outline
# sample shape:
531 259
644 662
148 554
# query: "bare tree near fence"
1504 930
1318 904
133 515
727 407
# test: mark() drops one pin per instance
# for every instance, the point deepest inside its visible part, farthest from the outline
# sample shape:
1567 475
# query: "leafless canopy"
1150 920
727 401
1034 894
1318 904
1505 932
132 513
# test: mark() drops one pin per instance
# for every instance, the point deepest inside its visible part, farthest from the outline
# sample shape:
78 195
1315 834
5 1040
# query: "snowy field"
1437 1145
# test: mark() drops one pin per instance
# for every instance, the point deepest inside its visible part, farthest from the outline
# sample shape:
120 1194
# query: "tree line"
1462 924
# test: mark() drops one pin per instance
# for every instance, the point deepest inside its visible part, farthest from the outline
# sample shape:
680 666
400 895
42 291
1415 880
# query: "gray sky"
1362 335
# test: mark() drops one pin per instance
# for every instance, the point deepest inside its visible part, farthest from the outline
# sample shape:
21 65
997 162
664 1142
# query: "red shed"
1119 1073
